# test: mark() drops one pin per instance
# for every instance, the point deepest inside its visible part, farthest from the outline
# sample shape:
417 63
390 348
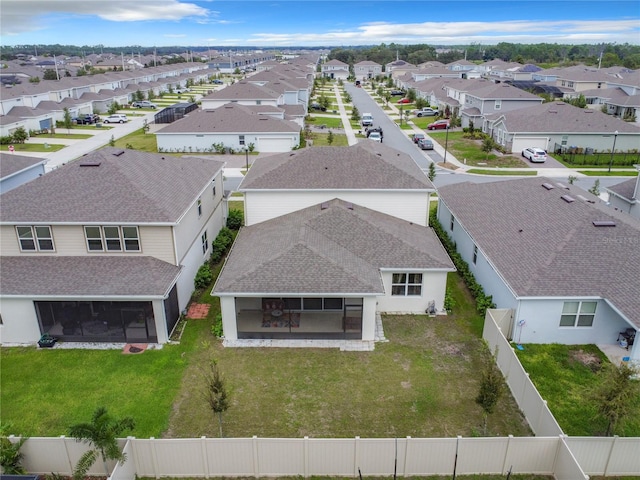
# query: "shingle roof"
11 163
335 247
131 186
625 189
76 276
543 246
230 118
365 165
243 90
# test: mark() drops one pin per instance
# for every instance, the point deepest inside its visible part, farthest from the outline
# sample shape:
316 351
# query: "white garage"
520 143
275 144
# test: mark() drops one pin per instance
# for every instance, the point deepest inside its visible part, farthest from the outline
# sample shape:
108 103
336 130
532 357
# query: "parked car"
425 112
535 155
425 144
88 119
217 81
366 120
404 100
370 131
395 93
438 125
144 104
116 118
375 136
416 137
317 106
358 83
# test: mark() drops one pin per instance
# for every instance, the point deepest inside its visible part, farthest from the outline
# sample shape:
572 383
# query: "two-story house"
367 69
334 236
106 248
335 69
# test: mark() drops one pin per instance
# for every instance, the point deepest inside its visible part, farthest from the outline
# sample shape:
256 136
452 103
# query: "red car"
404 100
439 125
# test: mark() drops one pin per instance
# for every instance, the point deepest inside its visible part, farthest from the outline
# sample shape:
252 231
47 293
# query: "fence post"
613 444
305 452
356 456
506 454
256 467
154 457
64 441
205 459
406 457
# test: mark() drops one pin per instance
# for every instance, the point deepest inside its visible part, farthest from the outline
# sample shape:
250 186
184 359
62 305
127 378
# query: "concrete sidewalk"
348 130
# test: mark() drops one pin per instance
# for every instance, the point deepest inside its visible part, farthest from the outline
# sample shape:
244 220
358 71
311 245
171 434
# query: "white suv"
116 118
536 155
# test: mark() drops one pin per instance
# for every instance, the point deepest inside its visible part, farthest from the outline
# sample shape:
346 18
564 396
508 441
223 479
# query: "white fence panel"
180 458
430 456
625 457
376 456
332 456
280 456
567 468
126 470
144 455
532 455
484 454
230 456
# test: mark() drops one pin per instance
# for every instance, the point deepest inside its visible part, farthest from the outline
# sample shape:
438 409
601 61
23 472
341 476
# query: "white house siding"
265 205
520 143
8 103
201 142
632 209
20 178
20 323
433 289
542 323
228 311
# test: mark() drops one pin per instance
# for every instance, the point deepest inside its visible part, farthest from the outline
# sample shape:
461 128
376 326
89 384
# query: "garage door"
520 143
274 144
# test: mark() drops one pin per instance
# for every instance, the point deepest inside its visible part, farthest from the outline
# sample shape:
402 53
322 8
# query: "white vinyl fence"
534 408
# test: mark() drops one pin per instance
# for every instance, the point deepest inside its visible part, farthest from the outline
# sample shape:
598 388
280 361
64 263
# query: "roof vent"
548 186
118 153
324 205
90 163
568 198
604 223
349 205
583 198
562 185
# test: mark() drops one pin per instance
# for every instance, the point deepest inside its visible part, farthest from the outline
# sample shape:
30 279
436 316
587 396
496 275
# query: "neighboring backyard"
421 383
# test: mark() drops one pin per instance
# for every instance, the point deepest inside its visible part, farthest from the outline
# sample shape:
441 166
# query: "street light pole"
446 143
615 137
400 115
246 156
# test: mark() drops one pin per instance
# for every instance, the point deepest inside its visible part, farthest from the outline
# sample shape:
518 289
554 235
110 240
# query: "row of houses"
105 249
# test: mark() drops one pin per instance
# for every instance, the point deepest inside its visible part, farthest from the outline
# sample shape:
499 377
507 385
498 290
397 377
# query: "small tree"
50 74
102 435
10 455
616 394
20 135
487 146
432 171
491 389
330 137
235 219
112 141
596 188
215 391
66 119
355 114
113 108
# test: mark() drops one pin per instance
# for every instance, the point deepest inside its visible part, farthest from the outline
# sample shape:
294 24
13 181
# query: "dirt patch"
405 384
587 359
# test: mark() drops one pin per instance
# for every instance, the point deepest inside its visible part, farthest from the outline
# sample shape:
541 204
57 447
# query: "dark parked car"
87 119
395 93
416 137
217 81
439 125
425 144
317 106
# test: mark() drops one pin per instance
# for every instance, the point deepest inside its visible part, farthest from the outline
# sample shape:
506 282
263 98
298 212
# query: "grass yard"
330 122
462 148
421 383
320 140
514 173
606 173
565 377
32 147
139 140
70 136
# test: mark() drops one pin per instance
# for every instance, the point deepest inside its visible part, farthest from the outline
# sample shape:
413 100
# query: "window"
35 239
131 239
451 223
241 139
94 239
213 188
112 238
498 104
406 284
205 242
332 304
199 208
578 314
475 254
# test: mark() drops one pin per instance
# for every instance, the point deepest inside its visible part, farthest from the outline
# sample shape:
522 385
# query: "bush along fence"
603 159
483 301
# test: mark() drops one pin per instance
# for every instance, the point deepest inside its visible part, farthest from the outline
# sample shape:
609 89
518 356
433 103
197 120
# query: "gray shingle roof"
243 91
545 247
133 187
337 249
76 276
231 118
12 163
365 165
625 189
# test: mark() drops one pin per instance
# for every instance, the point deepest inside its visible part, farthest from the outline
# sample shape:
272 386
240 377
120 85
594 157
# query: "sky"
282 23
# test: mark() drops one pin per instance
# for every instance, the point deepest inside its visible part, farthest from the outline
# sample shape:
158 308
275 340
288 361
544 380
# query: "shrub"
6 140
203 277
221 244
235 219
216 328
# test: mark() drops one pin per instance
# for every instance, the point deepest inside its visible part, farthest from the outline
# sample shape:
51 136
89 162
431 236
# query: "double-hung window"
35 239
112 238
205 242
406 284
578 314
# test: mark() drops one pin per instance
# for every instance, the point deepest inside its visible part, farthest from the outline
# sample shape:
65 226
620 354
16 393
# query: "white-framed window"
475 254
451 222
578 314
241 139
213 188
406 284
35 239
112 238
199 207
205 242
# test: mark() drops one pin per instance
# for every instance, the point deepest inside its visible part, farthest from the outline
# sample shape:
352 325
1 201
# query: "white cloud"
20 16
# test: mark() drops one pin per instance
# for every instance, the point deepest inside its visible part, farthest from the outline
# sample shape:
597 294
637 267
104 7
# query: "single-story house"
625 196
16 170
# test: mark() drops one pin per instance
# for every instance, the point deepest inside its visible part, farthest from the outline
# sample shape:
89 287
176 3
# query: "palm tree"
101 434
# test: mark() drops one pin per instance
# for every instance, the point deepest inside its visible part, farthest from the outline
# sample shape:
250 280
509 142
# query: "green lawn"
32 147
606 173
330 122
562 375
516 173
70 136
320 140
462 148
139 140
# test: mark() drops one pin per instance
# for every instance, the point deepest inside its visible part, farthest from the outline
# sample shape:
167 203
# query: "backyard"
471 151
421 383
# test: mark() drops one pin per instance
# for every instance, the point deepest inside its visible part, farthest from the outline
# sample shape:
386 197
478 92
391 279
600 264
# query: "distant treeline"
542 54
